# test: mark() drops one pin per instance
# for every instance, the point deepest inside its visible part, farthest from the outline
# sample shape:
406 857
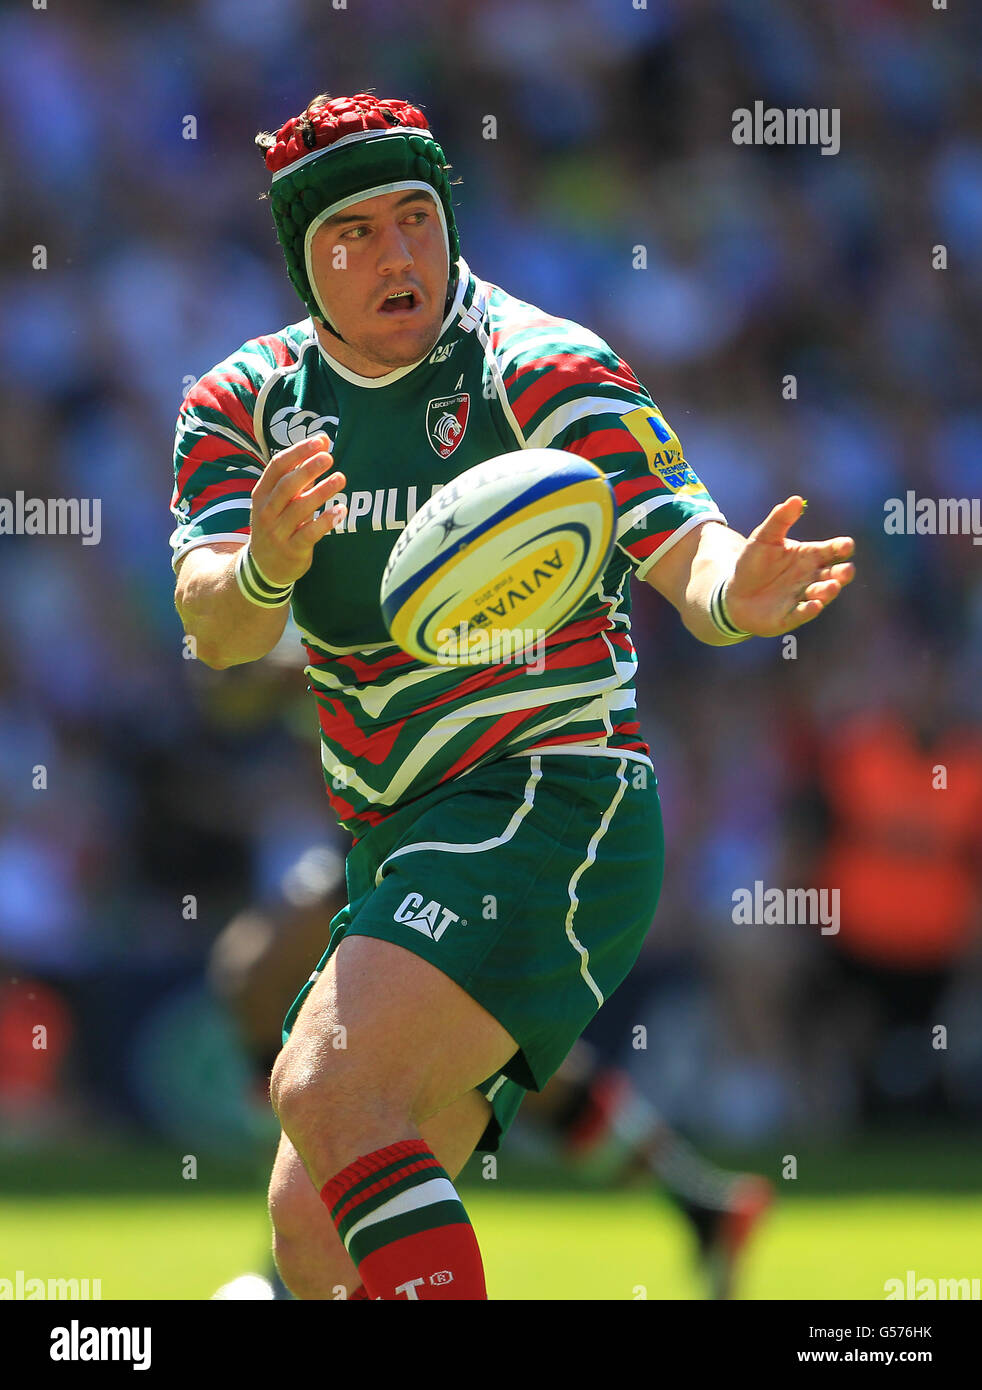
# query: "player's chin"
407 341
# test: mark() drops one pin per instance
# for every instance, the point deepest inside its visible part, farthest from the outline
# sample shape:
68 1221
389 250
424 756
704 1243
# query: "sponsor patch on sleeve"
661 448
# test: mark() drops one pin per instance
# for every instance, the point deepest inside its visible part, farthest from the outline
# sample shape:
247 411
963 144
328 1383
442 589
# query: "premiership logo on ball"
446 420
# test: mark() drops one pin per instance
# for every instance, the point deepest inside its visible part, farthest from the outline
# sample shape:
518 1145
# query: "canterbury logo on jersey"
385 509
292 425
432 920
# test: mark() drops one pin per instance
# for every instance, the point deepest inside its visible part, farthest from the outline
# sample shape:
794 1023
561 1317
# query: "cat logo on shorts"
432 920
661 448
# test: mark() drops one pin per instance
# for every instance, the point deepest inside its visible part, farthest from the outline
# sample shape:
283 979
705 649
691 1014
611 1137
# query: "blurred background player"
891 816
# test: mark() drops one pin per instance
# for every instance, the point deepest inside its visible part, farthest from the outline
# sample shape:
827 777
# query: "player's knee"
303 1093
326 1106
278 1082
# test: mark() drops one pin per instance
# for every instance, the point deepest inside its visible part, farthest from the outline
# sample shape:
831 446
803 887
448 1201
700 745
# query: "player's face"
363 257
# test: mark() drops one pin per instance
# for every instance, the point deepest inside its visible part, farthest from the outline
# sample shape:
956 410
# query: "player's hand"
779 584
284 528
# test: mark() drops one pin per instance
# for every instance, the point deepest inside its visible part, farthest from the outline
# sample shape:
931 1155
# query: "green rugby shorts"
531 882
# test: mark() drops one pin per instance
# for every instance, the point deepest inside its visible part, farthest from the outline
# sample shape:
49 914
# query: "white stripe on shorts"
502 839
591 855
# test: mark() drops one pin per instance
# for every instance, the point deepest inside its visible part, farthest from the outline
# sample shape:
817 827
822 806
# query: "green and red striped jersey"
503 375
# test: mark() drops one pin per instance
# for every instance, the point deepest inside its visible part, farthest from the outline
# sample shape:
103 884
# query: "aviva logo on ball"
515 588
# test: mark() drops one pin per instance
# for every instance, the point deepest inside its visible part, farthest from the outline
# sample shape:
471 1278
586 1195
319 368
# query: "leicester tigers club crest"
446 420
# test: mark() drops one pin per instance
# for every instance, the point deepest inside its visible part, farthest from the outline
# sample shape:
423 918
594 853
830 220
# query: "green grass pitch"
132 1221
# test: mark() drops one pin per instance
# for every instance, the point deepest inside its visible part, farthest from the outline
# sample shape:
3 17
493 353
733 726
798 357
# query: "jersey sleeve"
217 459
568 390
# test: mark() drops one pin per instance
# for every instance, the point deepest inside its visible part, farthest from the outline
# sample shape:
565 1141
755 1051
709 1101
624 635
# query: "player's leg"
547 871
413 1043
309 1255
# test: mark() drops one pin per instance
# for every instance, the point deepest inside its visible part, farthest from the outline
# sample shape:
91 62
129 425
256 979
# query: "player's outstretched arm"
226 628
772 584
237 613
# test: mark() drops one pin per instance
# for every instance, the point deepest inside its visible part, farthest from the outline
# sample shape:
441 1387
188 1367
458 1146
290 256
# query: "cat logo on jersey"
661 448
446 420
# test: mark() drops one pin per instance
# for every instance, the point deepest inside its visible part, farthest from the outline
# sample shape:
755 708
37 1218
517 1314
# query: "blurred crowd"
144 799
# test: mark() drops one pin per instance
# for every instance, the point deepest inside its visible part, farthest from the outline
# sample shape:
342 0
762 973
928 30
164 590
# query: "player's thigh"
383 1030
295 1205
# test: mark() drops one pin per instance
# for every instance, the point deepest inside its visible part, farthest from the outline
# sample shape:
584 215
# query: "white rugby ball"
499 557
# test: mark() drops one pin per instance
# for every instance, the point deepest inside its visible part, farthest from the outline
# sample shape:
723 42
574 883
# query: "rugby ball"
499 558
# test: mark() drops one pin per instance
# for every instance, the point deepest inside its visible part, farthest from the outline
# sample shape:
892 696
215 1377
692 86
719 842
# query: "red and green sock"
404 1226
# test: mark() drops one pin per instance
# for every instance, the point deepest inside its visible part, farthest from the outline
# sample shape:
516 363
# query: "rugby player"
507 852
